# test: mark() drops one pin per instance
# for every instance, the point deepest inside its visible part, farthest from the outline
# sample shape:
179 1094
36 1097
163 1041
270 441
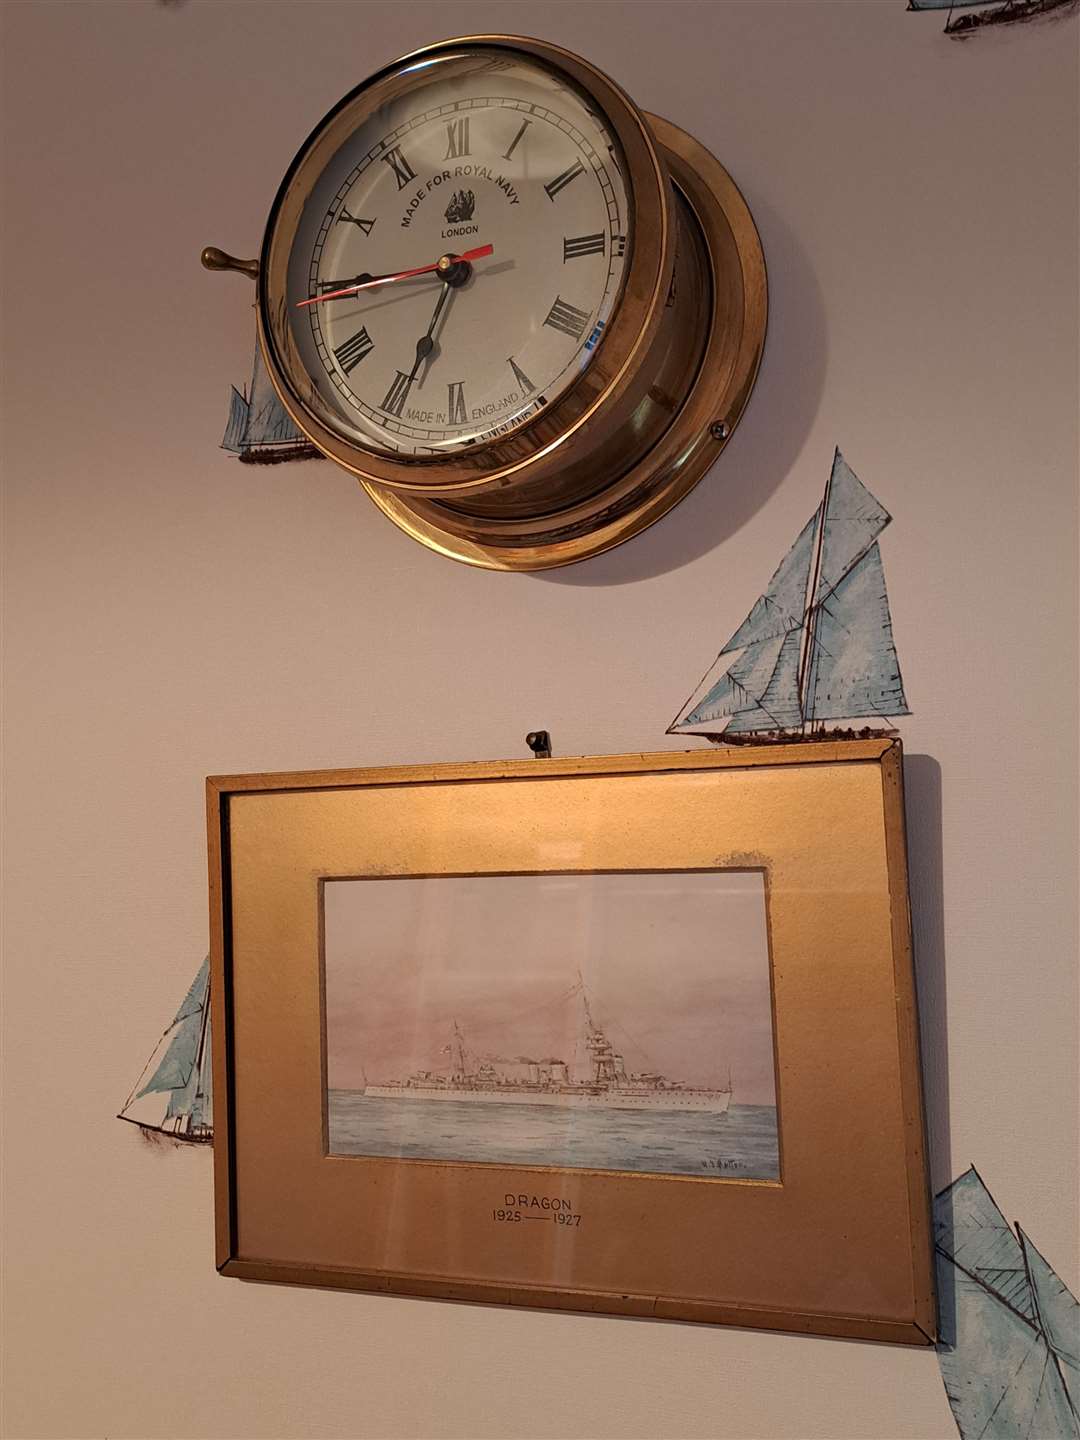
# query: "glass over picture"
615 1021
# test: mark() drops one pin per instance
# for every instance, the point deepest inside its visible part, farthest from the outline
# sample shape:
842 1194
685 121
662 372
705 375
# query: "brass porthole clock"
523 313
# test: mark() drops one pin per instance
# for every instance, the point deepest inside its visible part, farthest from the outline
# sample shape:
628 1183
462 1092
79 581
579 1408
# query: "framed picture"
632 1034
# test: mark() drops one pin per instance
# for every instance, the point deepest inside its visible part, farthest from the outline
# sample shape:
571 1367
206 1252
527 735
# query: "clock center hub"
453 270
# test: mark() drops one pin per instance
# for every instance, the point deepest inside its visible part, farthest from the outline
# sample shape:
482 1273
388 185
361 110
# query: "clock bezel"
606 392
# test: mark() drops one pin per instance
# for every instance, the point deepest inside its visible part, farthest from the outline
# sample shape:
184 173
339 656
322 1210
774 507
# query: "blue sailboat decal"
260 431
239 411
1009 1342
174 1094
817 646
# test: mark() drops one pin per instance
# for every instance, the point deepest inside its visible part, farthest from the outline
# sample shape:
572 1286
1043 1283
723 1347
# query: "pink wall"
171 613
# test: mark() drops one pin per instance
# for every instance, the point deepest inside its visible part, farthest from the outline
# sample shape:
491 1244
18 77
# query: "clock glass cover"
483 154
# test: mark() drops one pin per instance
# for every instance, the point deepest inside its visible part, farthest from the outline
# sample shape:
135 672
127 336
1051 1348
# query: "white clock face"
491 153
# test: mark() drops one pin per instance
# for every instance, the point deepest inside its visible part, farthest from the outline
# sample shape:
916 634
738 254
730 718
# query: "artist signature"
726 1165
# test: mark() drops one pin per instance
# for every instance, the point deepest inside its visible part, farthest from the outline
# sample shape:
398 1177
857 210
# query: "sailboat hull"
800 737
1006 14
277 455
200 1136
713 1102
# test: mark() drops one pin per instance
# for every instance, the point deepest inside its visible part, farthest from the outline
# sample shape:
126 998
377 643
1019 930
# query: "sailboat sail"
745 678
259 429
781 607
855 670
269 423
778 705
818 644
239 411
174 1094
1008 1342
853 521
1058 1315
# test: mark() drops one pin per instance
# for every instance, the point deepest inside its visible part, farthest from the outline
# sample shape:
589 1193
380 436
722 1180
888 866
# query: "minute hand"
369 284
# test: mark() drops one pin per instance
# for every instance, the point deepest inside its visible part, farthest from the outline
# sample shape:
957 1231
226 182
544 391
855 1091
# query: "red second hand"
477 254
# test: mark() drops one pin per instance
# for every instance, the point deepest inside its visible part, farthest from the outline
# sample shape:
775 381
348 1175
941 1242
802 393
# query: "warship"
609 1085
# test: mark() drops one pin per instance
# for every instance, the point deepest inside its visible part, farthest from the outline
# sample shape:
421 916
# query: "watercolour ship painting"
815 657
606 1085
260 431
969 17
610 1021
174 1095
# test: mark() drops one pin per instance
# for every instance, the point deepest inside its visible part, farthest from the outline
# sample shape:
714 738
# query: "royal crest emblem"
461 207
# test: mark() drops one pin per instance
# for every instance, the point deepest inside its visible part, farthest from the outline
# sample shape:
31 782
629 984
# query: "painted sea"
741 1145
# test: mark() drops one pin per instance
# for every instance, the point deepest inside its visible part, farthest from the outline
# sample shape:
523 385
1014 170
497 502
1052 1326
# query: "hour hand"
426 344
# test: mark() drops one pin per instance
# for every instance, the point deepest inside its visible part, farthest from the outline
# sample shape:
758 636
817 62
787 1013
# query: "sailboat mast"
200 1054
811 610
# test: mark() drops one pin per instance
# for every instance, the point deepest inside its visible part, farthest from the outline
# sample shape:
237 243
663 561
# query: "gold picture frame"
838 1245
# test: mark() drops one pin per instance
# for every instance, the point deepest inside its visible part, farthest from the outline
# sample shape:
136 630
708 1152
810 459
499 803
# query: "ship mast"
608 1067
199 1098
810 610
457 1052
585 1003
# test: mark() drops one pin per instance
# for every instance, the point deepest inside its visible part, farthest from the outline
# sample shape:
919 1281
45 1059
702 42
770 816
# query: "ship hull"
711 1102
278 454
1005 14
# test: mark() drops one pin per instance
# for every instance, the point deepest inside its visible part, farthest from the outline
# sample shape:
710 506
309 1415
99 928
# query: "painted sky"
675 965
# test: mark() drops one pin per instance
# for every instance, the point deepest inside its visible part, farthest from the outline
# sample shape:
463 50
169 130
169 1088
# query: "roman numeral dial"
457 139
527 386
456 413
403 171
366 226
516 140
515 167
583 245
394 400
355 349
567 318
568 176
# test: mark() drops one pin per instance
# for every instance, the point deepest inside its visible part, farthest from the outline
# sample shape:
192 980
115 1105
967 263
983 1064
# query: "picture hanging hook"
539 742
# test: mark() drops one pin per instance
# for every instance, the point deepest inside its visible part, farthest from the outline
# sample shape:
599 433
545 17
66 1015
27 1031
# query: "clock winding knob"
215 259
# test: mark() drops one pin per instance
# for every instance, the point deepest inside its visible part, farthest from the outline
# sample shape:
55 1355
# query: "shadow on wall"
764 447
922 803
